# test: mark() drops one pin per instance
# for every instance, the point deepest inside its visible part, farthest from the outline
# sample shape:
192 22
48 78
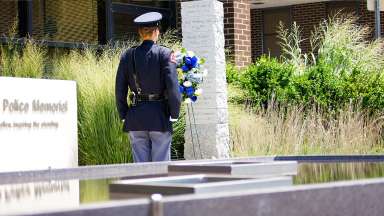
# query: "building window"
8 18
73 23
126 10
271 20
65 21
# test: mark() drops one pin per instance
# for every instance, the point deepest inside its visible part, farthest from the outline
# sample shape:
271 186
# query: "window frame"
104 10
284 8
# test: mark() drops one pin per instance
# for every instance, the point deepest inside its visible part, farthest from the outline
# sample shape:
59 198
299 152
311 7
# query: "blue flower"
194 61
188 61
191 62
185 68
190 91
181 89
194 98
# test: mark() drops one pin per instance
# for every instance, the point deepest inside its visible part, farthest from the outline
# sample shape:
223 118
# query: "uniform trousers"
150 145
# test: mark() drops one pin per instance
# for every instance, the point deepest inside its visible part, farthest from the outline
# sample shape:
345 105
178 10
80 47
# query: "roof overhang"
256 4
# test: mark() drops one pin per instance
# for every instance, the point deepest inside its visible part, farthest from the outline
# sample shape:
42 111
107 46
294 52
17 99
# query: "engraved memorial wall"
203 33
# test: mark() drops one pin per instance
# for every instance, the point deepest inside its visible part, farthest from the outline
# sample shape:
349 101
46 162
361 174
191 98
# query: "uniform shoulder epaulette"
130 49
164 47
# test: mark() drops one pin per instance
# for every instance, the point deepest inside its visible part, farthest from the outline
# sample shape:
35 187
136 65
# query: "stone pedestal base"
213 141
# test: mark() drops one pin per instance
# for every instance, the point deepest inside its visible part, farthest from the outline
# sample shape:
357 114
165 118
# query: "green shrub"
344 68
267 78
232 73
177 148
325 89
334 91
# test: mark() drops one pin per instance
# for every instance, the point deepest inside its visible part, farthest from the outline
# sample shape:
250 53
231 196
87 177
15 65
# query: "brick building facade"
249 25
237 29
307 16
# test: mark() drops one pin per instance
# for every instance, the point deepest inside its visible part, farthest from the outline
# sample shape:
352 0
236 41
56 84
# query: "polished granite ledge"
158 168
352 198
104 171
332 158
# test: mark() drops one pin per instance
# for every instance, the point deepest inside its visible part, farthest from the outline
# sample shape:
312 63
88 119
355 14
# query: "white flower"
179 57
198 92
187 84
188 100
205 72
190 53
195 77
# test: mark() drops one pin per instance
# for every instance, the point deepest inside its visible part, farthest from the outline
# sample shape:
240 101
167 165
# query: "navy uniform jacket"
156 75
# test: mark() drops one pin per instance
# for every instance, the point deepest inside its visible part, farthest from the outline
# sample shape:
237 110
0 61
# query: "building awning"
280 3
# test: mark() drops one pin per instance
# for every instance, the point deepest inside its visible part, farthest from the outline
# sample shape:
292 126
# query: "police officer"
149 71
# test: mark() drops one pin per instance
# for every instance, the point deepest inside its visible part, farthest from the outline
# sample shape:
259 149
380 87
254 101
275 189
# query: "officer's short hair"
147 31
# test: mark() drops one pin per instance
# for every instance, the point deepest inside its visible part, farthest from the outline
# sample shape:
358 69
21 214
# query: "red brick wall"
237 29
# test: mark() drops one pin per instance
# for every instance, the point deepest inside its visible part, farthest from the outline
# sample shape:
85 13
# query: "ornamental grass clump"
343 44
22 60
290 43
101 139
339 42
291 130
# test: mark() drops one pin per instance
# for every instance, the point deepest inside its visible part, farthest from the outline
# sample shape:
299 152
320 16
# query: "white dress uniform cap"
148 19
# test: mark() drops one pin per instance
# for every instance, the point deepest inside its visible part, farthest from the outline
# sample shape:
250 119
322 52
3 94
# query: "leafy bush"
345 68
177 148
232 73
267 78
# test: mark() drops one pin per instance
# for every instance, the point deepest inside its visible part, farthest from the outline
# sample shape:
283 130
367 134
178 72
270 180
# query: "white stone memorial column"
203 33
